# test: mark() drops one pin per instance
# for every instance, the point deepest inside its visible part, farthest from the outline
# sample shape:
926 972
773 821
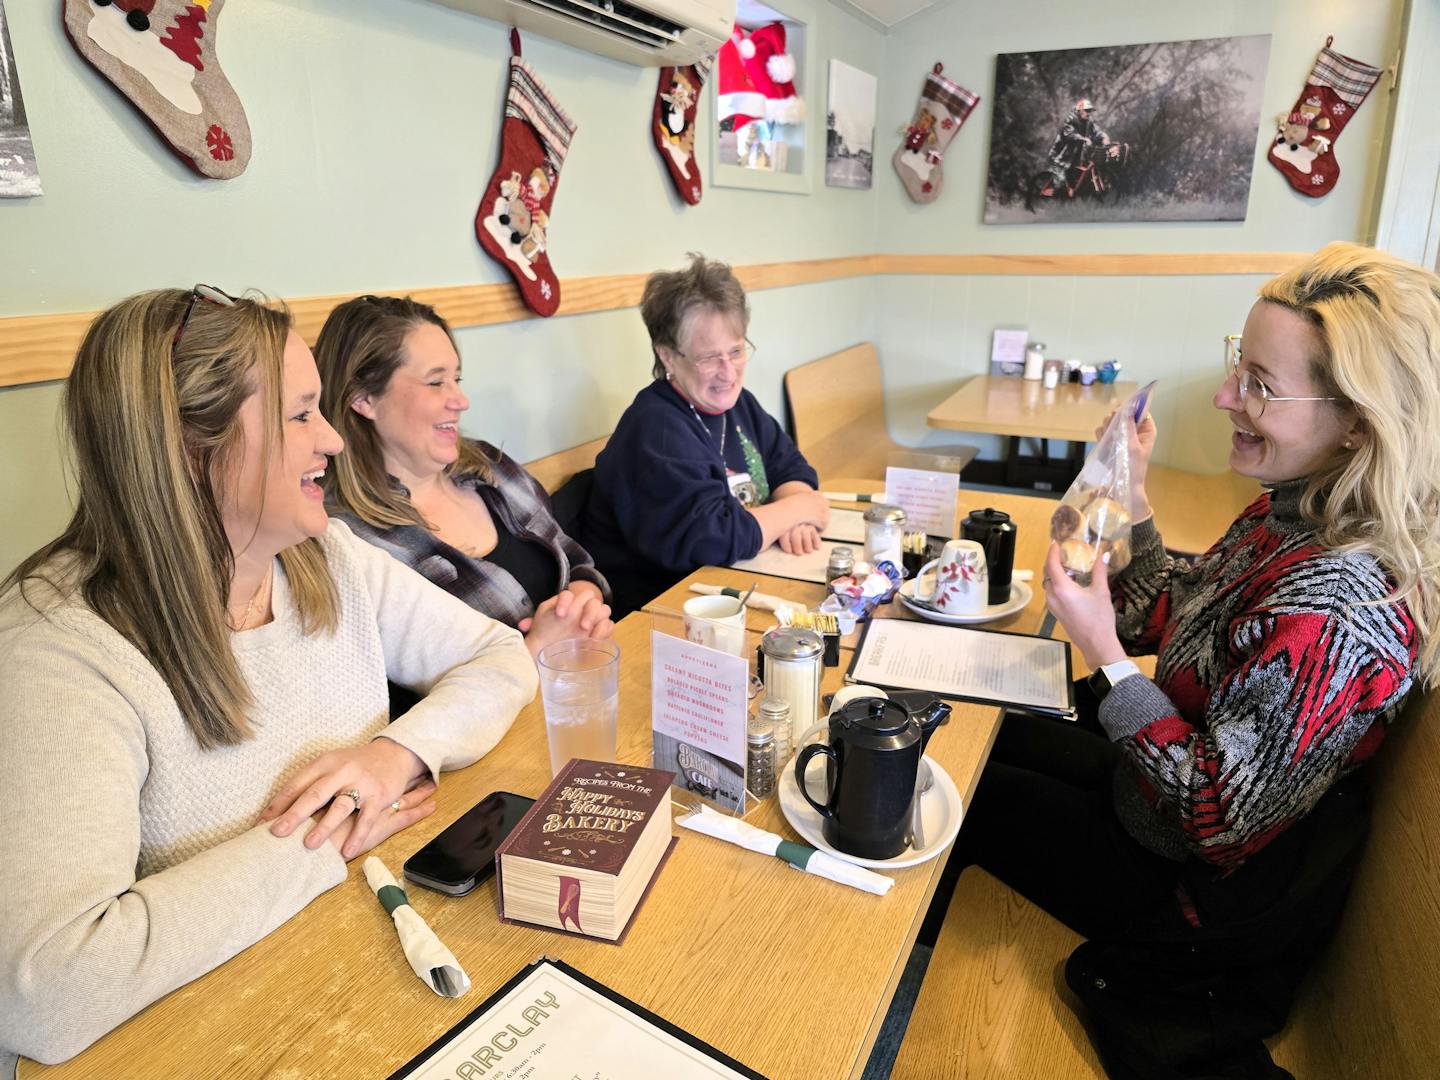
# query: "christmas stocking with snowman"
161 55
673 124
514 216
942 110
1304 149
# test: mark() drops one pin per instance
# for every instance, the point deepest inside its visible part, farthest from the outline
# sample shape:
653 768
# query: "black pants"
1043 822
1163 999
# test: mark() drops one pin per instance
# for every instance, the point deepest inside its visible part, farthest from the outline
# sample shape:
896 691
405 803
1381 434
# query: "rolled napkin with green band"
432 961
801 856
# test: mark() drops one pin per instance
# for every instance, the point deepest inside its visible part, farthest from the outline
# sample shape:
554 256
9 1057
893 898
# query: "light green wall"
935 331
376 127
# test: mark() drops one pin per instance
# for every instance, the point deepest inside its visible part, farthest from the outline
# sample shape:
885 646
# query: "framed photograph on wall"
1158 132
850 127
762 134
19 173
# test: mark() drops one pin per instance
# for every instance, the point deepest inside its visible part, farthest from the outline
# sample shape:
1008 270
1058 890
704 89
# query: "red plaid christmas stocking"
942 110
673 124
514 216
161 55
1304 150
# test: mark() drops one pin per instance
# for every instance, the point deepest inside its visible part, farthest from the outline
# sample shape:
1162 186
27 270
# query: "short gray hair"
672 296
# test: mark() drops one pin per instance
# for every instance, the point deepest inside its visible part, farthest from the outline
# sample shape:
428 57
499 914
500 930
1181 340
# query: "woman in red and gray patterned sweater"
1201 827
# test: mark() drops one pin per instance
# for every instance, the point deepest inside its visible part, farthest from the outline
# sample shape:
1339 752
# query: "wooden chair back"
1369 1008
554 470
837 413
1193 510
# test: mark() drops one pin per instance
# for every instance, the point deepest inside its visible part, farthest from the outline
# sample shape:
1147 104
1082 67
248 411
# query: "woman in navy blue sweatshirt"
697 473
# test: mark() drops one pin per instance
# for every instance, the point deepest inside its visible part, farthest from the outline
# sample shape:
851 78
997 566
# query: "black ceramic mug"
995 532
874 753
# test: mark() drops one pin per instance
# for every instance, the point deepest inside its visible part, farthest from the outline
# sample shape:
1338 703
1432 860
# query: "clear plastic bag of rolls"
1093 519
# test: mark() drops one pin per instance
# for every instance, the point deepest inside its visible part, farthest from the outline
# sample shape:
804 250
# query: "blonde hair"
358 351
1378 320
152 422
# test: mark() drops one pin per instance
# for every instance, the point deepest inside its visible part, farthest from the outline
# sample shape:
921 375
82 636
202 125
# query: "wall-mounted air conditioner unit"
651 33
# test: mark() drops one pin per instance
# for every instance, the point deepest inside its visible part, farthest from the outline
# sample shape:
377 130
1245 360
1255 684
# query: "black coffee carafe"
995 532
874 753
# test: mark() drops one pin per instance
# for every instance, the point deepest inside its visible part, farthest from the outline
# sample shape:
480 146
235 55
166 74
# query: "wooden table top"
1008 405
727 942
1032 522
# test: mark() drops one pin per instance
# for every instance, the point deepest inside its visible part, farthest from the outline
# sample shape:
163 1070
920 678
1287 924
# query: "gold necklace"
249 607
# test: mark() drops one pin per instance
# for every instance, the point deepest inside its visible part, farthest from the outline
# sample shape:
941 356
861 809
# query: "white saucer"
1020 596
940 812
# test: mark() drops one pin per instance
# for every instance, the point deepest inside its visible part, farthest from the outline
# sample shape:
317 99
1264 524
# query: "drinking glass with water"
580 686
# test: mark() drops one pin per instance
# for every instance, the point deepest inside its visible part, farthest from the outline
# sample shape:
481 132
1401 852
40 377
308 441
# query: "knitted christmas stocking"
1304 148
942 110
514 215
161 55
673 124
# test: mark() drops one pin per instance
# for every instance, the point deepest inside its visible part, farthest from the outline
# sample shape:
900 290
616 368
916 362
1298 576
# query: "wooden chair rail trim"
38 348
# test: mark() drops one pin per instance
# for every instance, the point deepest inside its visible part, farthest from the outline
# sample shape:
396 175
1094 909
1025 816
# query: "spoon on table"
924 781
744 599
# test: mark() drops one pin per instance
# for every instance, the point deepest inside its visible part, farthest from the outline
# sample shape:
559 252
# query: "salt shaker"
760 758
1035 360
793 664
884 533
775 711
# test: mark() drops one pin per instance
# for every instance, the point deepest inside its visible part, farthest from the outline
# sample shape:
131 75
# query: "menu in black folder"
988 666
550 1022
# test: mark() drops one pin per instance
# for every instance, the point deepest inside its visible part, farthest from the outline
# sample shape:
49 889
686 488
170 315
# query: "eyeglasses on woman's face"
1254 394
713 363
200 292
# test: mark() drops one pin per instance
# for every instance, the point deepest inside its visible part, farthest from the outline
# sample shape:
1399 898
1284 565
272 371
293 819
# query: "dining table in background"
1019 408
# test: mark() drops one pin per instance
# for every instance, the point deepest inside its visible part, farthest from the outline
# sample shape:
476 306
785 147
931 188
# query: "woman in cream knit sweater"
193 726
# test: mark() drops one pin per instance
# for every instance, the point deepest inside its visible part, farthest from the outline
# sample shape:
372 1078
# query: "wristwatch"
1103 679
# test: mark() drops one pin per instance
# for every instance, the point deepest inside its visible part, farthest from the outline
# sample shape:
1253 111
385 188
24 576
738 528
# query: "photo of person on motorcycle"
1077 132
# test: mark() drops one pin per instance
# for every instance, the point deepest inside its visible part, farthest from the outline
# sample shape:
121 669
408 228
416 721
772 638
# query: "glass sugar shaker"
884 533
775 711
760 758
793 663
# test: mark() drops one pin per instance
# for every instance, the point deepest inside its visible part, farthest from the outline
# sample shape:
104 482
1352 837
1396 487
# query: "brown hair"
152 423
358 351
1378 321
672 297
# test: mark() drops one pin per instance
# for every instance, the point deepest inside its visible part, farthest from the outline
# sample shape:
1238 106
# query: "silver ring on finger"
353 795
395 806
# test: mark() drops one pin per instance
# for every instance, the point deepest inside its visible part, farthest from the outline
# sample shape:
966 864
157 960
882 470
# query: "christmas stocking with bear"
1304 148
514 216
941 112
673 124
161 55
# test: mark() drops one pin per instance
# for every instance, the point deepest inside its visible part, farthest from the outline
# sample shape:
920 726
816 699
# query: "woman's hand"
1140 448
801 540
810 505
569 614
381 771
415 805
1085 611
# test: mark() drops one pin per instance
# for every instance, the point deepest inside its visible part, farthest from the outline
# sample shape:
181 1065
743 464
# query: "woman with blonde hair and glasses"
1201 825
194 727
697 473
465 515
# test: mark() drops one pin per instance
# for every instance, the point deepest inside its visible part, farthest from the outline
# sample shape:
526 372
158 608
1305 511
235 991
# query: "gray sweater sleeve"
83 943
475 673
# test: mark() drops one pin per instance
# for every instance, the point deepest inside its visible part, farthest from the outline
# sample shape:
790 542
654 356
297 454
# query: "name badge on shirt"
743 488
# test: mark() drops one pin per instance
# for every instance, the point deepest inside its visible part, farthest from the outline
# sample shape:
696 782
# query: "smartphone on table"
463 855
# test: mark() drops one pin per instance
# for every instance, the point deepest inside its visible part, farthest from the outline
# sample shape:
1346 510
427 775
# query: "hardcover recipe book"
583 857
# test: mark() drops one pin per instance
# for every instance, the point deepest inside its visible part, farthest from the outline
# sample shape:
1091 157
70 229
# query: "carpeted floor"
887 1043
